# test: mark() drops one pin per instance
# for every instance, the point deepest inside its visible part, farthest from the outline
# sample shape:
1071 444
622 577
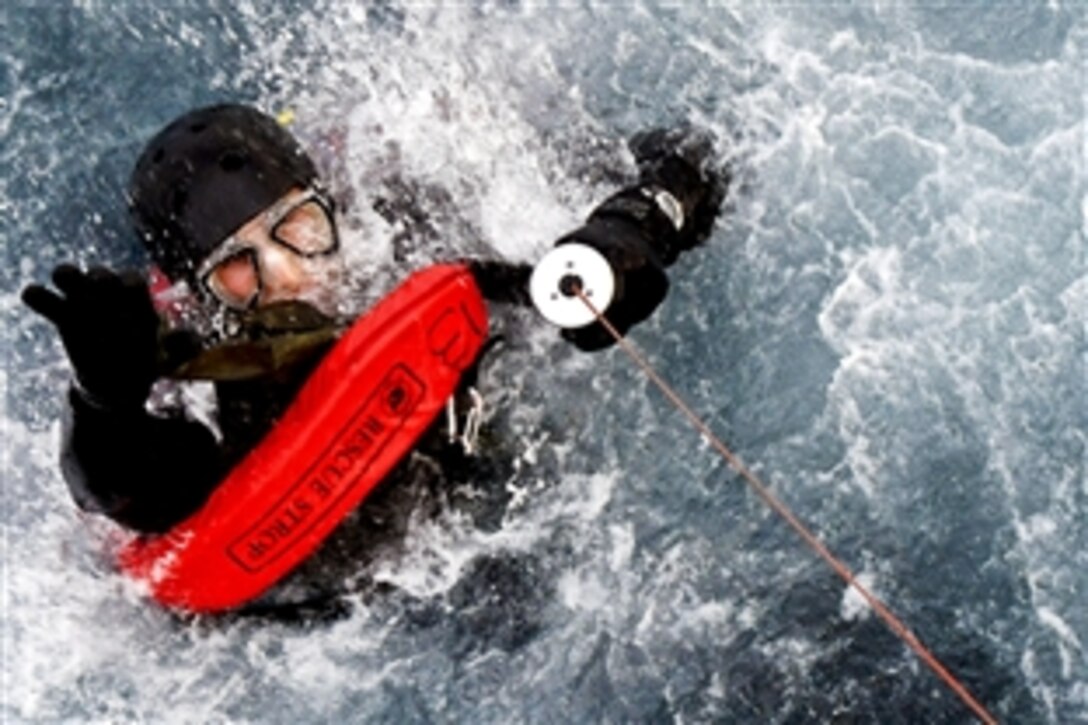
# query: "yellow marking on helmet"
285 117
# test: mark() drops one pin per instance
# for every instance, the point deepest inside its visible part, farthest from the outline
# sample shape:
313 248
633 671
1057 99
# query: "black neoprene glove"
643 229
682 161
109 329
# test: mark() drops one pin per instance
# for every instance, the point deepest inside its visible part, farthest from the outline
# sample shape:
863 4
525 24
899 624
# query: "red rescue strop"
360 412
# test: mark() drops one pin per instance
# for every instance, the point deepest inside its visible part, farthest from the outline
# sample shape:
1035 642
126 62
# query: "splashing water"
888 326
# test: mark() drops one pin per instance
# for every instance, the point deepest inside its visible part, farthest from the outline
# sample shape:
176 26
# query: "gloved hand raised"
642 229
682 161
109 329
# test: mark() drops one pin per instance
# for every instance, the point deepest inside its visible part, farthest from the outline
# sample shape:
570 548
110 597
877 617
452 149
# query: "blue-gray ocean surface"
888 326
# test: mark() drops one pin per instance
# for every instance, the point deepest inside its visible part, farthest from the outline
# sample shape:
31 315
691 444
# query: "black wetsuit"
148 472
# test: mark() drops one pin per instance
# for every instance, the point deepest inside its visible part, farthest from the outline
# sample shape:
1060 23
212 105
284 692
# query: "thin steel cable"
893 622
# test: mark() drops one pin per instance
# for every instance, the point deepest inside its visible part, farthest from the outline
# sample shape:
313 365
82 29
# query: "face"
286 252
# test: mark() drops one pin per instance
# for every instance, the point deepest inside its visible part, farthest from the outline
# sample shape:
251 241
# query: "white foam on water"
905 241
853 603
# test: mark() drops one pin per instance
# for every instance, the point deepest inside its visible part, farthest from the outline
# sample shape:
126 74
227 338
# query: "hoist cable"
893 622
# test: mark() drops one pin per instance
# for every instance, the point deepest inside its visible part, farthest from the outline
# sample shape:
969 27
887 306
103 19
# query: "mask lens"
236 280
306 229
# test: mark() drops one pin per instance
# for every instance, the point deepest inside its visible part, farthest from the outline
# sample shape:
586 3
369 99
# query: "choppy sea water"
888 326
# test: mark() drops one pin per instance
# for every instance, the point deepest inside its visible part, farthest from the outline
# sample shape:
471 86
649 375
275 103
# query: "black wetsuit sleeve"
641 231
638 241
145 472
504 282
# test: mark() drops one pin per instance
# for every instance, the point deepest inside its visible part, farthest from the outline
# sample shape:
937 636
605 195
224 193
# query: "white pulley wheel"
561 271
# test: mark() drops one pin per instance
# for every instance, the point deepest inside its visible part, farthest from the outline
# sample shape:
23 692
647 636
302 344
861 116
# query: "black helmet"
206 174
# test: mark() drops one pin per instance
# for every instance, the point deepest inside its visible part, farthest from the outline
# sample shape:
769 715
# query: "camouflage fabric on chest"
272 343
